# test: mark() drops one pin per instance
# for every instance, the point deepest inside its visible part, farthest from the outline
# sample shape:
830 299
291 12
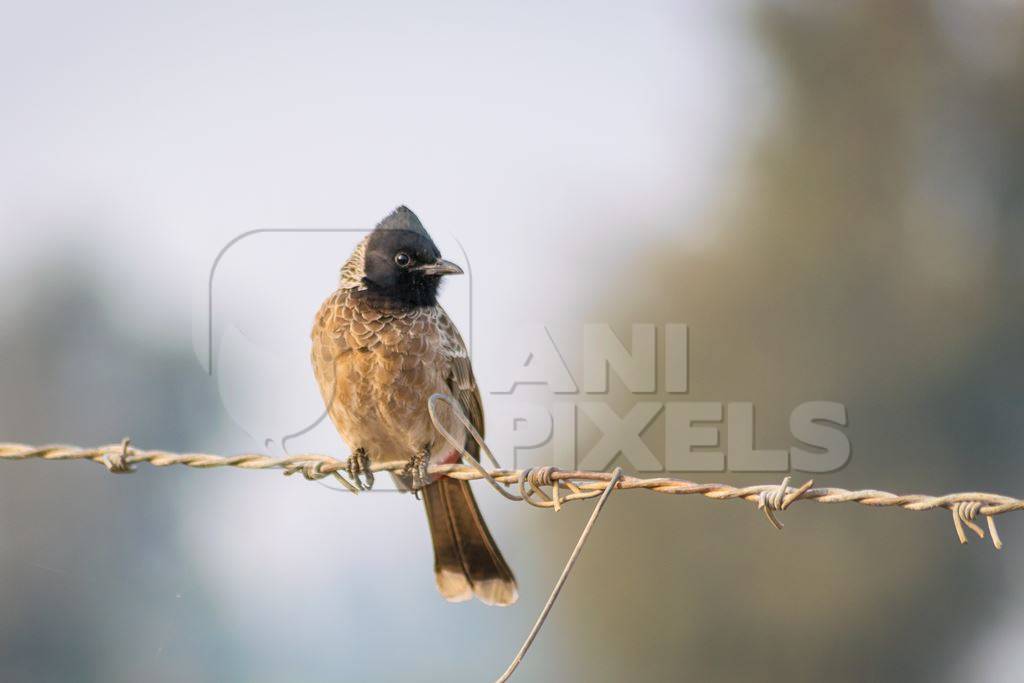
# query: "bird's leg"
359 464
354 466
416 469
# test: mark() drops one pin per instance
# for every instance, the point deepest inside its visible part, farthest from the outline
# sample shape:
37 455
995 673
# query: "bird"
382 345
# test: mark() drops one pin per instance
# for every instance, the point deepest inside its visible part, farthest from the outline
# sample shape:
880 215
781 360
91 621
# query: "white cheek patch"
354 270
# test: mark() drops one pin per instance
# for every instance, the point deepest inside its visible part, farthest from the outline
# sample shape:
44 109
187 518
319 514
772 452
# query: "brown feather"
376 365
485 568
465 555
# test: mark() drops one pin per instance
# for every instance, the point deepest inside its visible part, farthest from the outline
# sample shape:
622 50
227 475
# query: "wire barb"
965 513
117 461
780 498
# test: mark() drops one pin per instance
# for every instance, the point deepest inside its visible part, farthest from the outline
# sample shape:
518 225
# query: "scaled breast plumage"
373 359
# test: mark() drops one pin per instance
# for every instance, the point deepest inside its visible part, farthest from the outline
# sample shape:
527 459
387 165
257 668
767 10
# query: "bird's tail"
467 562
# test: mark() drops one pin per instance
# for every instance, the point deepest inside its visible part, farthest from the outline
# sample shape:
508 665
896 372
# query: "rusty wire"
546 487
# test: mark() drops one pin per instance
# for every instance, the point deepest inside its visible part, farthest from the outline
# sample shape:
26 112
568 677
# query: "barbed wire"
547 486
544 487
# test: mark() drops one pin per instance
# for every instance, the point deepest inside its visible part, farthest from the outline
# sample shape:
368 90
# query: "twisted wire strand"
534 483
563 486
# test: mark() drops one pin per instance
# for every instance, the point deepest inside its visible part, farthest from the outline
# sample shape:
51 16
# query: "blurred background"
831 196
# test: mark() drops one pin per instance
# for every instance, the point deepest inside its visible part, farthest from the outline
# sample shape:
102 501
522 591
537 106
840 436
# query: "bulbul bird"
382 345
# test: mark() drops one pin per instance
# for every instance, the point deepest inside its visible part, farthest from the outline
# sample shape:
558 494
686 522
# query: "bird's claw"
358 468
416 470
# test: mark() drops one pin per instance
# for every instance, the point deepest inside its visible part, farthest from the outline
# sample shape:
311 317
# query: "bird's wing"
461 381
466 558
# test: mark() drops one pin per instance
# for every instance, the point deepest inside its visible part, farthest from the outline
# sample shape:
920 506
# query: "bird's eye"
402 259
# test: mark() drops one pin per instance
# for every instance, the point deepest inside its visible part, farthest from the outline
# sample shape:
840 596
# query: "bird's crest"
403 218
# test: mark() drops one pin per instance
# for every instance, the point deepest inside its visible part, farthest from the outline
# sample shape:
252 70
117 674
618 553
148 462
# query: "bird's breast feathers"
376 366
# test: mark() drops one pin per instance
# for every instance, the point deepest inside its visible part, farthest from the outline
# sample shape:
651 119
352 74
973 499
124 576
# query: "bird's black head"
401 262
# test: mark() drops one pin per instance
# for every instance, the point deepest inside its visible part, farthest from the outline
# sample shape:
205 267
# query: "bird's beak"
439 267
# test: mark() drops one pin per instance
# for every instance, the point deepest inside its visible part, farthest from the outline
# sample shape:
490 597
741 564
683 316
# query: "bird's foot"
416 470
358 468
